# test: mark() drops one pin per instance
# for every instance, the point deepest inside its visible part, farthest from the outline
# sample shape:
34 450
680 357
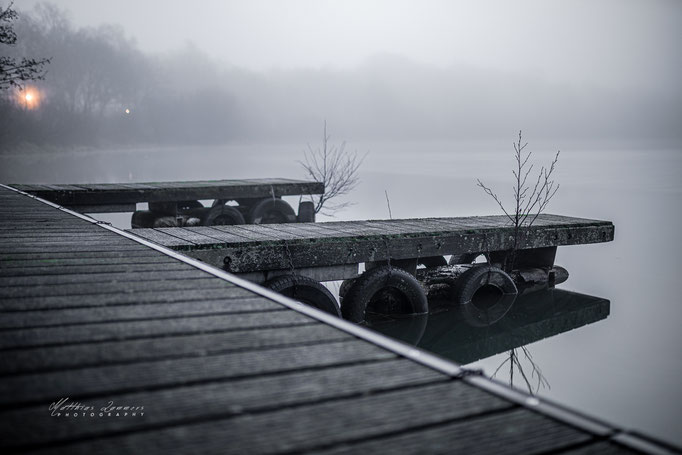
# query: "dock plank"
63 357
66 316
122 330
205 289
516 431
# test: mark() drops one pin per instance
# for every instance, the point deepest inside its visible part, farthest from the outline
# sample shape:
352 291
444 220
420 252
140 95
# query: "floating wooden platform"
220 365
305 246
122 197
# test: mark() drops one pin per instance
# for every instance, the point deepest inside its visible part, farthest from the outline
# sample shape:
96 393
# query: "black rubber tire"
345 286
386 290
432 261
142 219
163 208
222 215
269 211
305 290
166 221
306 212
186 206
471 290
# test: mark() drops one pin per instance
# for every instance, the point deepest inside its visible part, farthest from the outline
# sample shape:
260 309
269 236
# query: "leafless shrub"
12 72
530 199
336 168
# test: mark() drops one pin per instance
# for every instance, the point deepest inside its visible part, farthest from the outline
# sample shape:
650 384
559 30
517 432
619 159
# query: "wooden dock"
99 317
122 197
281 247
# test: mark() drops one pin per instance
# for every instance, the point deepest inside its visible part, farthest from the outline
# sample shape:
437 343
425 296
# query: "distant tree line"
100 89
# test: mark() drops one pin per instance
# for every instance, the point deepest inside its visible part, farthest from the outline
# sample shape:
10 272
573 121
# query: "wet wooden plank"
186 235
601 448
63 357
222 399
304 428
219 235
104 208
182 324
512 432
25 292
71 248
209 288
63 316
86 269
84 382
252 233
104 277
162 238
21 259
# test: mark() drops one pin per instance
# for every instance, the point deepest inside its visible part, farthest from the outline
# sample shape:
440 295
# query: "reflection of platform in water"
533 317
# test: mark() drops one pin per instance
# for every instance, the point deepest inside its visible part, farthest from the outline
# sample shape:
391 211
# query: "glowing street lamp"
30 98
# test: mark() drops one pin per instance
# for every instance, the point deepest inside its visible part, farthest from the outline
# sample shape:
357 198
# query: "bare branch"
336 168
529 200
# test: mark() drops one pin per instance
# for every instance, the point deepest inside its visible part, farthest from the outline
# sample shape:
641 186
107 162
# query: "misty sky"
618 43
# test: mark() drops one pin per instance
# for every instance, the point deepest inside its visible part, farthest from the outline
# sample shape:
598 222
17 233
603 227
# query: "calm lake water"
622 363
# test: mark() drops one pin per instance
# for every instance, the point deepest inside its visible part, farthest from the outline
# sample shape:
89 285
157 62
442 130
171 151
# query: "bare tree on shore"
14 72
336 168
530 199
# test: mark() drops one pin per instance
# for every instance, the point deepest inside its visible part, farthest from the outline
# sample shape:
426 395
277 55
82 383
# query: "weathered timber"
258 248
225 399
116 197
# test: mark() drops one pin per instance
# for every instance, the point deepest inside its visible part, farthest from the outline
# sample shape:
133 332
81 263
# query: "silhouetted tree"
529 201
336 168
12 71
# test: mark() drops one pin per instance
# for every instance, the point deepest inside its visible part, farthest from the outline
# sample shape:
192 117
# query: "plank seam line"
129 277
135 304
119 304
189 355
415 354
259 410
137 319
213 228
413 429
572 447
94 291
158 335
193 244
198 382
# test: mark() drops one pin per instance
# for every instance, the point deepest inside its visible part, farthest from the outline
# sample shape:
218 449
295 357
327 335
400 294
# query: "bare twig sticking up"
530 200
336 168
388 203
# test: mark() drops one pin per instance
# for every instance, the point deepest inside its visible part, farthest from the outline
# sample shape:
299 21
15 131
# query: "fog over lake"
434 93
